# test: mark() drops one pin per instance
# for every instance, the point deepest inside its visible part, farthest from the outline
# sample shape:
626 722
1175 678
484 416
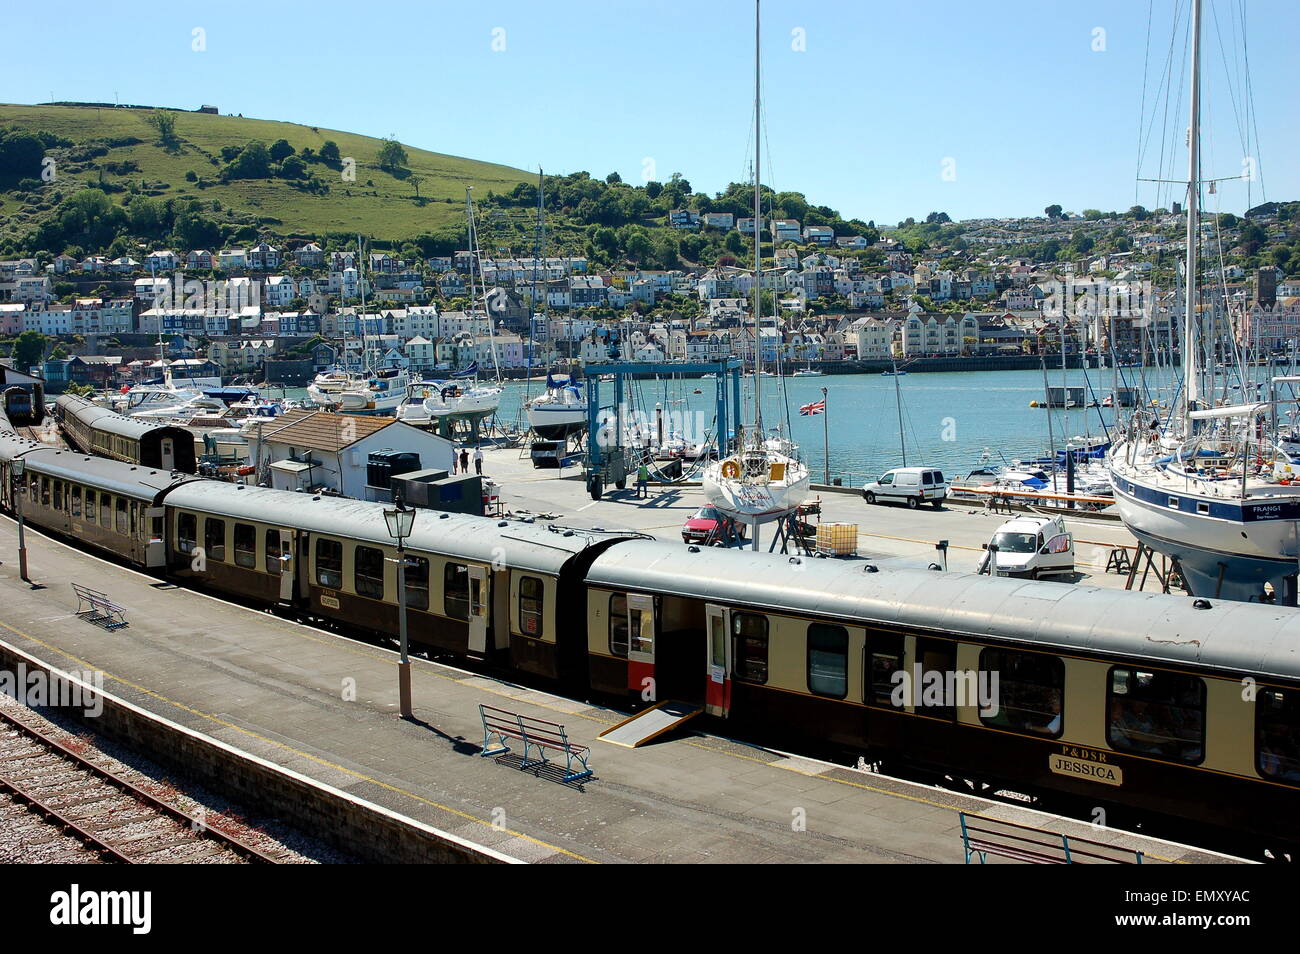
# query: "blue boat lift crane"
606 459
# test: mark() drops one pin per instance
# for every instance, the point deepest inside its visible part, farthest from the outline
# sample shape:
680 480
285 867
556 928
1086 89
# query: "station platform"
326 707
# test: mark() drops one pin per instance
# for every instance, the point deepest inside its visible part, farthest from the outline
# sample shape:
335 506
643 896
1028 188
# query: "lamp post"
399 521
18 486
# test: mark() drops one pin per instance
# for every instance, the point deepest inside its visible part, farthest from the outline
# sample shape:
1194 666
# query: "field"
388 209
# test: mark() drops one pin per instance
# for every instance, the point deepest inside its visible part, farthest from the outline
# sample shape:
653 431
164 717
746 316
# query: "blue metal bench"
986 836
534 734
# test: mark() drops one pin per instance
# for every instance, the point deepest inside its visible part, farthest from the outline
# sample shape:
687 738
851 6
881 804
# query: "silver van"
914 485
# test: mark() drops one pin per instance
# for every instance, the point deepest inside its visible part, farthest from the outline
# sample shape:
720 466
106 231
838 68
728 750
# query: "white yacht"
561 411
763 480
1208 488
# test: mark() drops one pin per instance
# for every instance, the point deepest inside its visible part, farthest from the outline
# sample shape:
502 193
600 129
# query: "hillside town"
281 312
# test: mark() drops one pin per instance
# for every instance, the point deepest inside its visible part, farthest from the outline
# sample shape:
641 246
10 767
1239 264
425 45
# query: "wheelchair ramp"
650 724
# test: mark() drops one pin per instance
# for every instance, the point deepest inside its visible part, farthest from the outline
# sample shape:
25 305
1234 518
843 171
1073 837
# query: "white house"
313 449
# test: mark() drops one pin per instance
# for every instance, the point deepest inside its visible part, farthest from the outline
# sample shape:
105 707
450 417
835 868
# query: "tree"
281 150
164 121
392 156
329 151
653 189
253 162
415 181
29 348
612 178
1053 212
1139 213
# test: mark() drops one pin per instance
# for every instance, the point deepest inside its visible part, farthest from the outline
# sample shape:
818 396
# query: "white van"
1032 547
915 485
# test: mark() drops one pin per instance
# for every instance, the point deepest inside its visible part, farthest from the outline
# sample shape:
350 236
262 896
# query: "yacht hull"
1230 551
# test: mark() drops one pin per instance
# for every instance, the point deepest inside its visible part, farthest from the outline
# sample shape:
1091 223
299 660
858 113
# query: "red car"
705 525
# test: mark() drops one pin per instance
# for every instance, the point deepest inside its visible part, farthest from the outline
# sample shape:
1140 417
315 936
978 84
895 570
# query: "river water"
949 419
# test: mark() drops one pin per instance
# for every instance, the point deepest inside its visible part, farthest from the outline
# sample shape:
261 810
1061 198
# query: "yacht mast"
758 236
1191 320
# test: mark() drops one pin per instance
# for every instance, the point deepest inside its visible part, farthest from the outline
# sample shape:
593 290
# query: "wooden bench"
95 607
986 836
533 733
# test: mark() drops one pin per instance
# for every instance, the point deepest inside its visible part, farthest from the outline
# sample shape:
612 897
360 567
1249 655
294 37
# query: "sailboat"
462 397
561 410
1207 488
763 480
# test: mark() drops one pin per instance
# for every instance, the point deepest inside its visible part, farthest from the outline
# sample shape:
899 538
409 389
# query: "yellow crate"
837 539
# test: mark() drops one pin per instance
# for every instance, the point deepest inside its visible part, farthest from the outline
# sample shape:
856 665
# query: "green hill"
120 148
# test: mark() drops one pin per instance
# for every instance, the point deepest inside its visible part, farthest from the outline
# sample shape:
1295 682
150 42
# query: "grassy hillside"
387 210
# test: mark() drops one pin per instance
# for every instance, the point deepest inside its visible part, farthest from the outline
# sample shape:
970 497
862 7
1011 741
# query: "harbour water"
949 418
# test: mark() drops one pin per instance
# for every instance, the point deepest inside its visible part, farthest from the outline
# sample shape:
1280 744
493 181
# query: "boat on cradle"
432 401
382 393
1209 487
762 481
560 412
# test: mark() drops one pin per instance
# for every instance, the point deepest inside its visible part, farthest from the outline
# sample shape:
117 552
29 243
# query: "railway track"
96 814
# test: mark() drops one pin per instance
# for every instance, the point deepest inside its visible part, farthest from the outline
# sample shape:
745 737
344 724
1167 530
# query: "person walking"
464 460
643 481
478 460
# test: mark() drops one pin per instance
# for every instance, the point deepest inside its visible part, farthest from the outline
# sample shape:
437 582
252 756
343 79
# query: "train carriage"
105 504
474 585
1099 695
98 430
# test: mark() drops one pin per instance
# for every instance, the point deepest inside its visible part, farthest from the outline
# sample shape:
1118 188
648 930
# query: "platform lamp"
400 520
18 486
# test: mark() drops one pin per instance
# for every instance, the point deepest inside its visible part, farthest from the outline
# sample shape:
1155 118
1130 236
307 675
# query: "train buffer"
500 725
982 836
650 723
96 607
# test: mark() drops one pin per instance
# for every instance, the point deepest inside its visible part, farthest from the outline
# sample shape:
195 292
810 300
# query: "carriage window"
455 591
750 632
530 605
329 563
214 538
76 501
938 656
1030 691
368 574
618 624
828 660
105 506
1161 714
121 515
58 495
641 627
186 532
274 565
135 513
245 545
45 491
884 658
417 583
1277 734
90 505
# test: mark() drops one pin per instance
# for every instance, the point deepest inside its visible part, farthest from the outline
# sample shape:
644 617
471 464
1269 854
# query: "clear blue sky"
861 119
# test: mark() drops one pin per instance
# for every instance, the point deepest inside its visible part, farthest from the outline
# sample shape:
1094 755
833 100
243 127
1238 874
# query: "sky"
881 110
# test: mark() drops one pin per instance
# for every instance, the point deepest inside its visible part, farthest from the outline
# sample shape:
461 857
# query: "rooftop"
322 431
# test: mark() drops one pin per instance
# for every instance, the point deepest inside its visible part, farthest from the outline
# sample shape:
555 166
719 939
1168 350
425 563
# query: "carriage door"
478 609
641 647
717 686
288 566
168 454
